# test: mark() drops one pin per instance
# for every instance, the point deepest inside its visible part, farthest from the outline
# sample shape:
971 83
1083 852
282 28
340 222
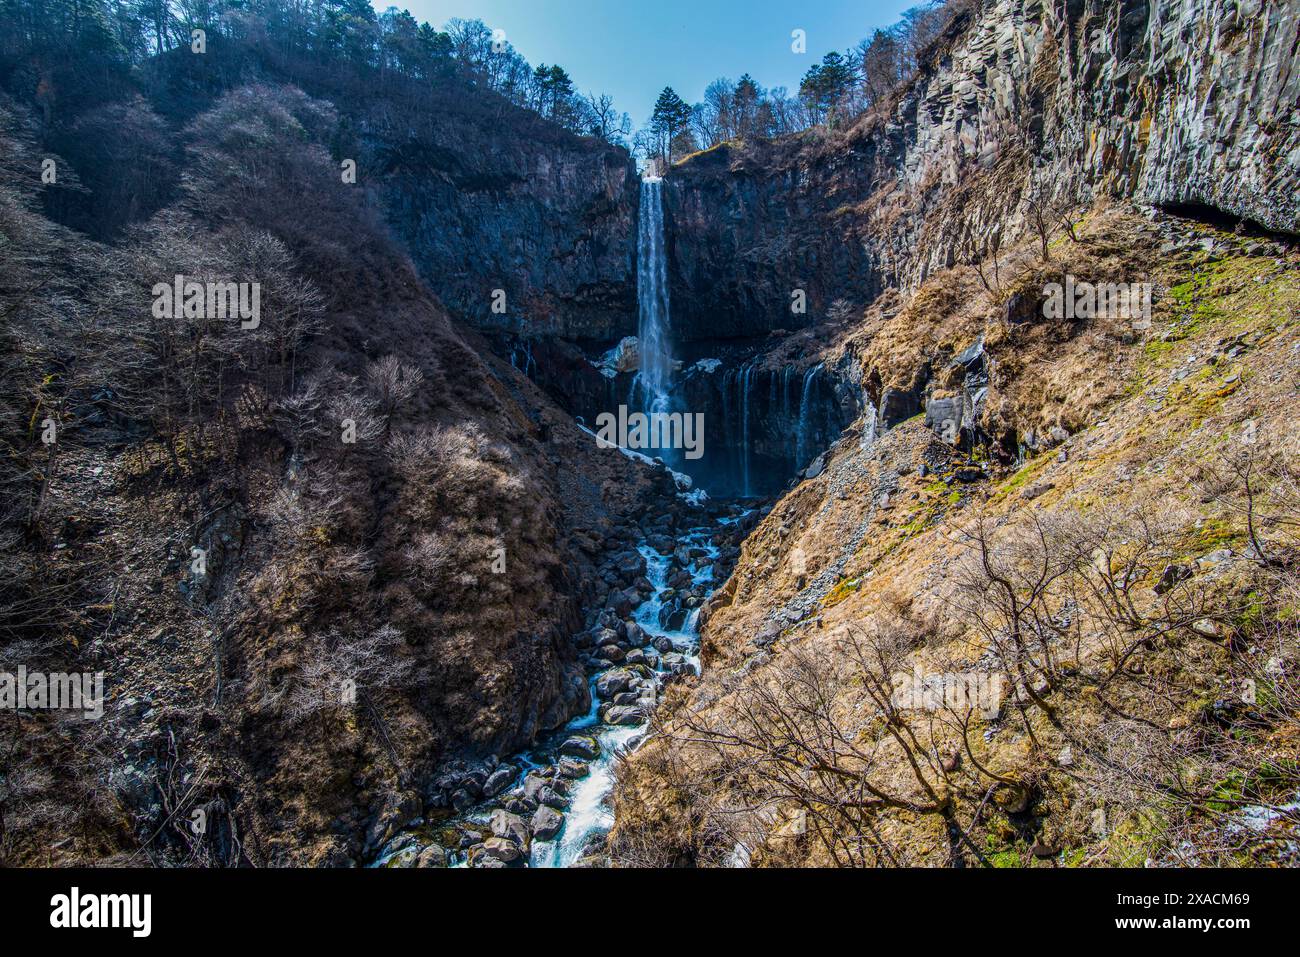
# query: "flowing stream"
589 813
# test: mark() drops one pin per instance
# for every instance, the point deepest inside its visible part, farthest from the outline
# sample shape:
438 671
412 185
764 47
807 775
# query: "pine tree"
671 115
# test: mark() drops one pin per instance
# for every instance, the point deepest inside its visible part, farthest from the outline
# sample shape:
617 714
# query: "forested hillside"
232 518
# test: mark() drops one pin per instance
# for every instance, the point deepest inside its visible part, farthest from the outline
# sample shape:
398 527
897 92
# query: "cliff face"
1181 103
544 216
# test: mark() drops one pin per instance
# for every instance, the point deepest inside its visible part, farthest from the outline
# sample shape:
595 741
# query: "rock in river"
624 715
581 746
502 849
547 823
510 826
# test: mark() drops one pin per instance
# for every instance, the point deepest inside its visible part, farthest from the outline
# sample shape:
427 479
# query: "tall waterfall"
654 379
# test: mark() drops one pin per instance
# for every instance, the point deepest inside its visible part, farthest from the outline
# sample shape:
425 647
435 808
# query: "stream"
589 814
553 780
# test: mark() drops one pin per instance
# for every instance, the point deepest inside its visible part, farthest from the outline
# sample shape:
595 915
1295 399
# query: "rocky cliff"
400 534
1189 104
519 206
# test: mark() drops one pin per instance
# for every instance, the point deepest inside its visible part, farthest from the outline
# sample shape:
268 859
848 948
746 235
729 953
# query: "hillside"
1023 609
1135 577
949 518
231 523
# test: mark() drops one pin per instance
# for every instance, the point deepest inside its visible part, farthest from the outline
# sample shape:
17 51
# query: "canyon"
563 653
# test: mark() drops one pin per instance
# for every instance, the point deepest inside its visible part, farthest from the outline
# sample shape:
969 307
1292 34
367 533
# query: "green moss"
1136 838
924 518
1005 859
1074 858
842 590
1031 470
1213 534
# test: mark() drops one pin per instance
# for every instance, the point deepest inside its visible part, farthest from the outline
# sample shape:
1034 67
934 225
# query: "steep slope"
1037 604
926 658
323 561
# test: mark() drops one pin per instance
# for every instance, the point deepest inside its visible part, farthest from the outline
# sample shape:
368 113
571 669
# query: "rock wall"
1181 103
519 206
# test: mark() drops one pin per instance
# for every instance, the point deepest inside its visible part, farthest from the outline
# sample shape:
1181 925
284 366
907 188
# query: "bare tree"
393 383
1047 209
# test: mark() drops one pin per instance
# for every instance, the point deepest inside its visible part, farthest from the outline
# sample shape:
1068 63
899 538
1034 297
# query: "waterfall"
871 425
786 416
654 377
806 434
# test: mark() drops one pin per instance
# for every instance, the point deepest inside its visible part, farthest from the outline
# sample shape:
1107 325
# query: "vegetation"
71 52
836 89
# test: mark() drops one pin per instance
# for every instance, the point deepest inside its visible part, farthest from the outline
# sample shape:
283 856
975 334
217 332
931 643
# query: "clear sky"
633 50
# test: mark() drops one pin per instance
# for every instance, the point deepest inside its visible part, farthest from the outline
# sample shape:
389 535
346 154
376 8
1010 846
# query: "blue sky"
633 50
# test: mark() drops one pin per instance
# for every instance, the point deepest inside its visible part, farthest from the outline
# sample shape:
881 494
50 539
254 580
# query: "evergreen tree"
826 85
671 116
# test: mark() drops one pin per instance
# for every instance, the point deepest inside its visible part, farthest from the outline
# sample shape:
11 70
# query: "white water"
654 377
804 441
871 425
589 812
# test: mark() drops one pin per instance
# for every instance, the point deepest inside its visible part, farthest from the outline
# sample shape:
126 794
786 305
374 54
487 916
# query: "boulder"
636 636
502 849
677 663
630 565
581 746
572 769
1171 577
510 826
546 823
499 780
520 804
612 682
432 856
552 797
626 715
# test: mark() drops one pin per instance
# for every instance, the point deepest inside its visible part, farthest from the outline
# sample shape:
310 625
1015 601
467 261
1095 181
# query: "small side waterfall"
806 436
871 424
654 377
745 378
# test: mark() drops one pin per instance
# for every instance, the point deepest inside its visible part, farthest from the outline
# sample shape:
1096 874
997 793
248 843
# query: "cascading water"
806 437
871 425
671 632
654 377
589 812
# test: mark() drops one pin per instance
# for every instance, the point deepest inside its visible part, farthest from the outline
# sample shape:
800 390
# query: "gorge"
368 585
